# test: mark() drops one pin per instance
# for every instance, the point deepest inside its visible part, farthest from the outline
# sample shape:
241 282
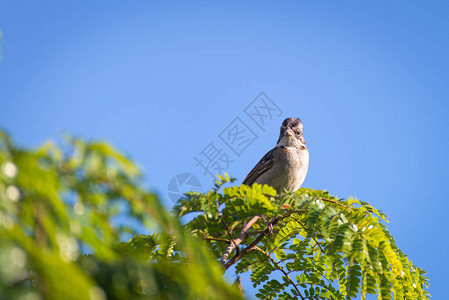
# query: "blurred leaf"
57 205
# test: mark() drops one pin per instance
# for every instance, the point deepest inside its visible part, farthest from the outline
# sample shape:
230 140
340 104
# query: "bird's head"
291 133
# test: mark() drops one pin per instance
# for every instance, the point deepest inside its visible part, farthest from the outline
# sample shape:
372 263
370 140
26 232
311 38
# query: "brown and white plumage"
285 166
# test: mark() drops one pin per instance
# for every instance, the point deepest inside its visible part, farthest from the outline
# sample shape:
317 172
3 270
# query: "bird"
285 166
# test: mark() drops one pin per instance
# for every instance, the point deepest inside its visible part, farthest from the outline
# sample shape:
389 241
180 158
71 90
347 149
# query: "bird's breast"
291 168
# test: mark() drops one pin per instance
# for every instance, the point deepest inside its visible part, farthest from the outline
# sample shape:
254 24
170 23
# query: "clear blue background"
160 81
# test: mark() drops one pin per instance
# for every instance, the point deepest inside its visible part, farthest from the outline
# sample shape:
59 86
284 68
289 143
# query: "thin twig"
303 227
229 232
280 269
335 202
210 238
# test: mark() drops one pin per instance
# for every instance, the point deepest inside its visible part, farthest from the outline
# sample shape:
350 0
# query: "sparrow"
285 166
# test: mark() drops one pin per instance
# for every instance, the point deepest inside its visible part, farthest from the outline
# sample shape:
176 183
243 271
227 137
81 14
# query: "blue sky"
161 81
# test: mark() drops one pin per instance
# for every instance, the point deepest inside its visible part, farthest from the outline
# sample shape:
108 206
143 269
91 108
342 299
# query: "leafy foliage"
65 211
323 247
58 204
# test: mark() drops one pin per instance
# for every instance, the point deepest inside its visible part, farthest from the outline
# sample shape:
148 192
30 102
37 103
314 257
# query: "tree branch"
250 247
235 243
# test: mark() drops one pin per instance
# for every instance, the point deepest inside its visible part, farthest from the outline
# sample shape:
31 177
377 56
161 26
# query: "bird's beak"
289 132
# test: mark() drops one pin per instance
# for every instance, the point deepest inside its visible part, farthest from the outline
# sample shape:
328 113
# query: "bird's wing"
262 166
